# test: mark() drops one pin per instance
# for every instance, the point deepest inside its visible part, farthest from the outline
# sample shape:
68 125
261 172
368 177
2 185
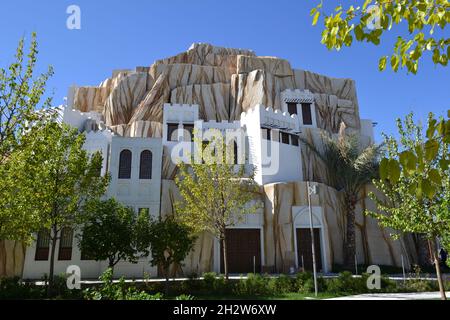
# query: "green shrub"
280 285
214 283
13 288
304 282
222 286
346 283
193 284
133 294
209 278
61 291
388 285
109 290
418 285
254 285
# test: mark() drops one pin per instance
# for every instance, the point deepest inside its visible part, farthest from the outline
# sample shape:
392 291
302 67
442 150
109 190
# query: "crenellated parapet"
268 117
79 119
222 125
179 113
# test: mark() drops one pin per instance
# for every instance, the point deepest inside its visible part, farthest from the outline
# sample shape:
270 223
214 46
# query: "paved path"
394 296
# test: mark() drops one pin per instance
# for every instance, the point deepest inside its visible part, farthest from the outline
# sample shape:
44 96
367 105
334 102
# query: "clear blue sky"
123 34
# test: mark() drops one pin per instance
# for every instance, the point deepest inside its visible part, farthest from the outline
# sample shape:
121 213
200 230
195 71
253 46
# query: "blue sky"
123 34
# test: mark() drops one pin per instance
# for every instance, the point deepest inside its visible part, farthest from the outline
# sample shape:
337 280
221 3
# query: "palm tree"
350 166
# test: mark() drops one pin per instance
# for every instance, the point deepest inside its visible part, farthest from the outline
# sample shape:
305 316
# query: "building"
142 120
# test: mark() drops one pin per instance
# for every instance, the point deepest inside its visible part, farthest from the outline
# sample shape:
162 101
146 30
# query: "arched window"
125 164
145 167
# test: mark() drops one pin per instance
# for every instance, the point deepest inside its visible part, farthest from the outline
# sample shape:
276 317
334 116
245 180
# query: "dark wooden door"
243 249
304 248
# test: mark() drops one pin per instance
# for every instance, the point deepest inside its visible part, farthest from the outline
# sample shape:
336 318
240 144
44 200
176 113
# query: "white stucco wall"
136 192
273 160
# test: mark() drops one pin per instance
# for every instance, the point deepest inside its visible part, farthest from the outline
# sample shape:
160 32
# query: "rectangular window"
172 133
294 140
42 245
292 108
306 114
265 133
284 137
65 244
190 132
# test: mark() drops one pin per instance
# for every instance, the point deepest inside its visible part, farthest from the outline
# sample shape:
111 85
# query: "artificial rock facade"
224 83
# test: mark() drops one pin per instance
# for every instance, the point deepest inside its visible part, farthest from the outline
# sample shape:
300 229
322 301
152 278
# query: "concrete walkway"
395 296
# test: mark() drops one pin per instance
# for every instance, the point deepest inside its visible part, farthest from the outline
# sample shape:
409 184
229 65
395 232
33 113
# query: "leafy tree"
216 193
170 243
350 167
62 177
415 182
20 95
367 23
108 232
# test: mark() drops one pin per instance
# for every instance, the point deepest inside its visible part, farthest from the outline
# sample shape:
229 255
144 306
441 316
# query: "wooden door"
304 248
243 251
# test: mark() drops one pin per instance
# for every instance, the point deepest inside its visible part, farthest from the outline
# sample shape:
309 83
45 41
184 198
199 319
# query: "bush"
254 285
304 282
13 288
209 278
193 284
60 290
117 291
222 286
346 283
281 285
133 294
212 282
341 284
417 285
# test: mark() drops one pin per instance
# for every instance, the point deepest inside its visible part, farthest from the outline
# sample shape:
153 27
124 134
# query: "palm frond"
350 166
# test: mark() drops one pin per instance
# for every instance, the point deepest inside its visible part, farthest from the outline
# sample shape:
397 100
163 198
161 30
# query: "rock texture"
12 256
124 98
223 81
276 66
213 99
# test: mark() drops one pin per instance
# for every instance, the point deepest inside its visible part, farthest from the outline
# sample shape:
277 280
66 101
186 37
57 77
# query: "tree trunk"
350 242
225 258
111 264
54 238
424 258
167 284
438 271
